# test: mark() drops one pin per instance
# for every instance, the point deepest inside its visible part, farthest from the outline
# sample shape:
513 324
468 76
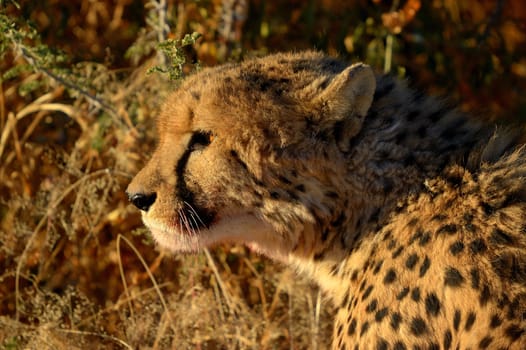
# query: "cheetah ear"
350 92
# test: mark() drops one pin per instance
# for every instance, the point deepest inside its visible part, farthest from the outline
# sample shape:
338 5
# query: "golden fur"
411 216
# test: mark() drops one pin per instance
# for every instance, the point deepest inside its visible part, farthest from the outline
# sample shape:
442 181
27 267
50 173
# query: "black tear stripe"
204 217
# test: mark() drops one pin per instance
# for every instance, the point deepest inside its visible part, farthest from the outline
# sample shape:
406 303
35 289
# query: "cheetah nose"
142 201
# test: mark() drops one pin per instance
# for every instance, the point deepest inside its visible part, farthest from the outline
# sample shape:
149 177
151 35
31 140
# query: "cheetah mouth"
180 238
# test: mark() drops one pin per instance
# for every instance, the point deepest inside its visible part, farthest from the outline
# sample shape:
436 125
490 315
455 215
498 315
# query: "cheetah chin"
228 228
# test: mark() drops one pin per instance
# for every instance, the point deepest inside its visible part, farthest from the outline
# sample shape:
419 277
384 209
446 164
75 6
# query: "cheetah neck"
400 147
404 144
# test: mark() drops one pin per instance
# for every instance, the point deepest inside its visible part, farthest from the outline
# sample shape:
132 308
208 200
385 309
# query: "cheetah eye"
200 140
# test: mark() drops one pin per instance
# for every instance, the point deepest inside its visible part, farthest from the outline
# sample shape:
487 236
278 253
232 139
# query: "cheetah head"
246 152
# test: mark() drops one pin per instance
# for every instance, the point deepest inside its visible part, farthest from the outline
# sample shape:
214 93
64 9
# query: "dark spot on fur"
456 247
396 319
488 209
367 292
397 252
372 306
365 327
332 194
411 261
413 222
484 295
448 337
362 286
352 327
379 316
345 300
339 220
275 195
508 265
439 217
399 346
500 237
300 188
456 319
324 234
447 229
510 315
378 267
433 346
415 294
196 95
416 236
390 276
354 275
424 239
503 301
495 321
475 278
259 182
292 195
382 345
424 267
319 256
340 328
432 304
403 293
514 332
453 277
284 180
468 222
454 180
470 321
485 342
477 246
418 326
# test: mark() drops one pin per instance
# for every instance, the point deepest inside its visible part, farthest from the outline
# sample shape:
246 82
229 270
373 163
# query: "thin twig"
97 101
147 269
226 294
41 223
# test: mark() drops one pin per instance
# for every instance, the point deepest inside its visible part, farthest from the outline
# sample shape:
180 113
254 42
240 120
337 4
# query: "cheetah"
409 215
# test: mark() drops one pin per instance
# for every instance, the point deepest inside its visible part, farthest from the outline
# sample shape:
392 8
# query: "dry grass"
78 270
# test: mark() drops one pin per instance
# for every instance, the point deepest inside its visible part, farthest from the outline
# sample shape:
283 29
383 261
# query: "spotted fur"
410 215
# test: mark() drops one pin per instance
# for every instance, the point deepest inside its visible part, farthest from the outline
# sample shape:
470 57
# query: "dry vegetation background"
77 105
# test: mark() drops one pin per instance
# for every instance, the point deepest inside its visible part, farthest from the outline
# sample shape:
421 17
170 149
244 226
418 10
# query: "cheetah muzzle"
409 215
